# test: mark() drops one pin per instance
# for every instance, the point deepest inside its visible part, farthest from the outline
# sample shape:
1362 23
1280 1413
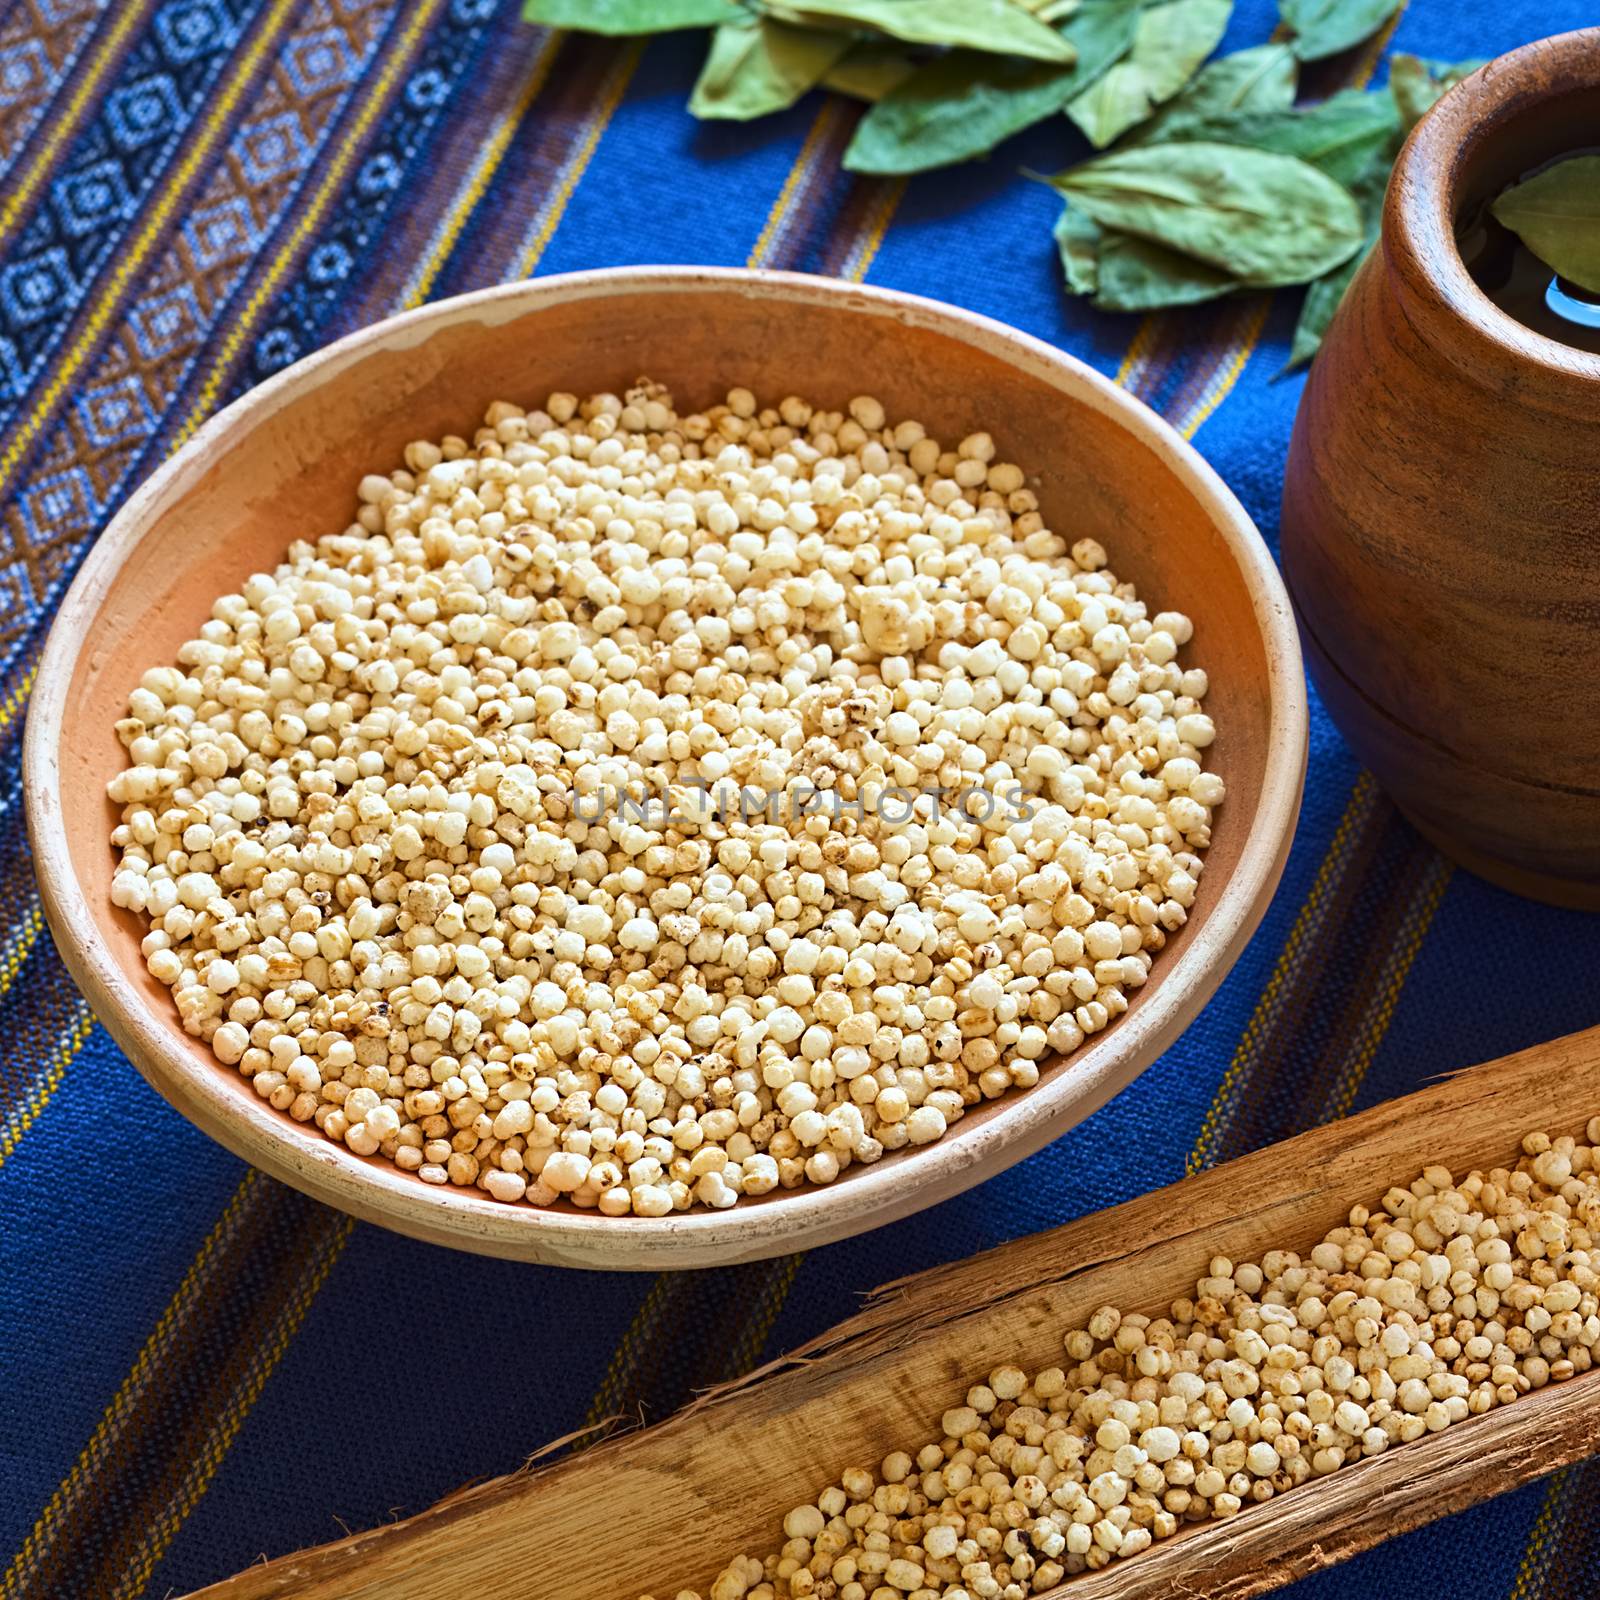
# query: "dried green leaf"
957 106
999 26
1169 43
1351 137
1327 27
757 66
963 104
1139 275
1556 213
871 69
1051 11
1078 239
1340 136
1263 78
1418 85
1324 296
1265 218
629 16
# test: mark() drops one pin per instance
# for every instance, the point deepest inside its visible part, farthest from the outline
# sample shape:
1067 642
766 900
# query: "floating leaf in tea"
1556 213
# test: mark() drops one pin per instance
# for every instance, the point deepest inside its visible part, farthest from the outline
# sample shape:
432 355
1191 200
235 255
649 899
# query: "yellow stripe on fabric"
577 163
19 946
445 237
1395 972
865 250
395 63
1151 337
1232 369
64 124
43 1088
219 1441
748 1350
1285 972
638 1340
154 1349
815 142
107 302
1543 1538
1138 355
16 697
626 1356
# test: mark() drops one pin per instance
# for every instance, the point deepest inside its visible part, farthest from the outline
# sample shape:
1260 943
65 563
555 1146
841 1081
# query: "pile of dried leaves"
1213 178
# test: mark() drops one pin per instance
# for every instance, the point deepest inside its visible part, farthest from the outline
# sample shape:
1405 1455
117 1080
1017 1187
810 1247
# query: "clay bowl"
282 463
1442 500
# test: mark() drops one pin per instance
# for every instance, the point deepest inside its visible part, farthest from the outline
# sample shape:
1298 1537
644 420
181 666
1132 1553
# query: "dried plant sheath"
718 1477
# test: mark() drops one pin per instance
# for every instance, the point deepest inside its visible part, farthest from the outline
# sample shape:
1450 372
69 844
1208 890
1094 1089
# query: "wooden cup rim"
1433 182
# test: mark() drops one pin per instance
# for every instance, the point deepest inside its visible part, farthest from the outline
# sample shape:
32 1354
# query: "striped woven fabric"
199 1365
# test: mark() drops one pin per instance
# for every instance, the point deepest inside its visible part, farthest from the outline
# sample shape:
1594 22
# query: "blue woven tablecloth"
197 1365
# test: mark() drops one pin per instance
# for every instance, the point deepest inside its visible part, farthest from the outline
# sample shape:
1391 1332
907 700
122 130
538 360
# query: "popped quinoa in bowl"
279 467
654 810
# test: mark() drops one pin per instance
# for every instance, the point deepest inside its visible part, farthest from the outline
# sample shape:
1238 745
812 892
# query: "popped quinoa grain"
651 811
1443 1301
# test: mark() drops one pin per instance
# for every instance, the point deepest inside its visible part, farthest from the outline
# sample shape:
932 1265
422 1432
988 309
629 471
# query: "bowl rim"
464 1218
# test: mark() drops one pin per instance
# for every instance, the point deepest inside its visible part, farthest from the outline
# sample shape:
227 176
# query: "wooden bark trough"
658 1510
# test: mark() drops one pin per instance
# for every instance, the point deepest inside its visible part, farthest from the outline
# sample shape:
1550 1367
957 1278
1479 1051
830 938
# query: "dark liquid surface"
1524 287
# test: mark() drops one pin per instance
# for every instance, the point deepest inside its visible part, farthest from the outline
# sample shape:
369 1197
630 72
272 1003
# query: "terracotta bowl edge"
802 1218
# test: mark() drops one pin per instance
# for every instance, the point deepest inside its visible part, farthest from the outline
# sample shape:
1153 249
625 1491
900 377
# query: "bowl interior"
284 465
